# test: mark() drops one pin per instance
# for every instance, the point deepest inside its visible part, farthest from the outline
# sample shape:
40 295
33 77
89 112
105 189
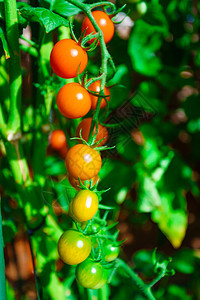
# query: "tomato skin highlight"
103 21
58 141
95 87
75 182
111 252
84 205
83 162
73 101
90 274
85 126
73 247
66 57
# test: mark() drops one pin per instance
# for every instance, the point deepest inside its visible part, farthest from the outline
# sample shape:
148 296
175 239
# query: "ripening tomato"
74 247
85 126
66 57
58 141
74 182
111 252
73 101
83 162
104 23
84 205
91 275
95 87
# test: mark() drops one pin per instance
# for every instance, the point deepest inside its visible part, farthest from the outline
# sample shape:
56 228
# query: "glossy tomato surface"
95 87
111 252
73 101
84 205
66 57
85 126
90 274
103 21
83 162
73 247
75 182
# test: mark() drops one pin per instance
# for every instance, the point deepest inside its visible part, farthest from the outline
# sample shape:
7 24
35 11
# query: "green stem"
145 289
2 263
15 77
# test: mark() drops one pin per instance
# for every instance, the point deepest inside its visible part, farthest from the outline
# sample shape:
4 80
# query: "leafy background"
154 170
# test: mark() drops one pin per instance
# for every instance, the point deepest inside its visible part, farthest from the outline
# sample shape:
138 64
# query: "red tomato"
95 87
66 57
83 162
58 142
73 101
74 182
103 21
85 126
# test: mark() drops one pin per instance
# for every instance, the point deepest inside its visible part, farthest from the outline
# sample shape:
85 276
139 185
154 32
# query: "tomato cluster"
83 161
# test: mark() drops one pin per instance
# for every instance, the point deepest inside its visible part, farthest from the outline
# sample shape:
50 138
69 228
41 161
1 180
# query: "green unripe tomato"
111 252
91 274
74 247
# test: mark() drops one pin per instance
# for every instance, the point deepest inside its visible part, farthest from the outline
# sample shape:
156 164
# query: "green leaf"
4 43
65 8
148 196
144 42
184 261
172 223
45 17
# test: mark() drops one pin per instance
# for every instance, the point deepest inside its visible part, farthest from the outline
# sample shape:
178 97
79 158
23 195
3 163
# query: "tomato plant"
85 126
84 205
83 162
73 101
68 58
91 275
104 23
74 247
54 72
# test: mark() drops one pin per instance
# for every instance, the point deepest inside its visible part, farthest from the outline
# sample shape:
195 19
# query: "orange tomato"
66 57
74 182
95 87
85 126
58 142
103 21
73 101
83 162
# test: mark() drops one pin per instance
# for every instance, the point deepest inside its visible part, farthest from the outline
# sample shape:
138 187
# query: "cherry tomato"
58 141
85 126
83 162
103 21
74 182
90 274
84 205
73 101
95 87
73 247
111 252
66 57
